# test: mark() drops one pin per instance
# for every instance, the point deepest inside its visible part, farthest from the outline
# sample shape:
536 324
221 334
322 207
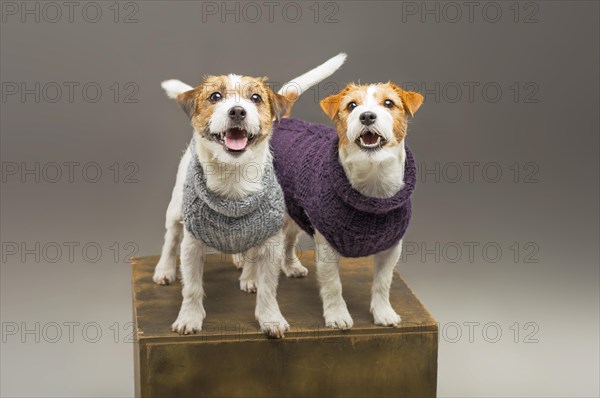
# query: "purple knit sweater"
319 196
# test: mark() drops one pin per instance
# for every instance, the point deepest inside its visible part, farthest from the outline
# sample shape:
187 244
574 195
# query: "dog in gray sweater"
226 195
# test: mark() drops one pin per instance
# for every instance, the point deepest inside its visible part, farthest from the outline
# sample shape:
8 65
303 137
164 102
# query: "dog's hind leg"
166 269
291 266
238 260
335 310
248 281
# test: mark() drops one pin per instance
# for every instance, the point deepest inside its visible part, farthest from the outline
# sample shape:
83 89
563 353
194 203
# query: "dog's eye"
256 98
388 103
351 106
214 97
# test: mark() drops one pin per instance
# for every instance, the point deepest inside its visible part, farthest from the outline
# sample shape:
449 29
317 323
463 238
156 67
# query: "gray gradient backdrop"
532 274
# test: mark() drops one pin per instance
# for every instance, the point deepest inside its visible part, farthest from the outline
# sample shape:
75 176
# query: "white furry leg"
238 260
191 314
268 258
248 282
291 266
166 269
335 310
382 310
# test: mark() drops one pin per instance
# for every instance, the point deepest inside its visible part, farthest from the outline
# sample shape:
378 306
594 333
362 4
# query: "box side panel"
394 365
136 369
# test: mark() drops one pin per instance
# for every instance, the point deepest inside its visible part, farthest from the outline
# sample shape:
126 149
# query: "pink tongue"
236 140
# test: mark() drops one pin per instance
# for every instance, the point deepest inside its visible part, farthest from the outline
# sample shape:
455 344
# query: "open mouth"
234 139
370 140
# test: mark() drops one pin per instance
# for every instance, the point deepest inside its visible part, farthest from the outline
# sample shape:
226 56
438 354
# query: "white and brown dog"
350 189
232 117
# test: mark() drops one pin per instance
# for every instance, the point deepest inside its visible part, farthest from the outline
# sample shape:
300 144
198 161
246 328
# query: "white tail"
292 89
175 87
296 87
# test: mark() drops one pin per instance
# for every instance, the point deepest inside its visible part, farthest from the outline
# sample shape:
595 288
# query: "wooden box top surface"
230 312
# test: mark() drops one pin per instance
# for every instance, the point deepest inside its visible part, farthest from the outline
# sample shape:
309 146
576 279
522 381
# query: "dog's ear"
280 105
331 105
187 101
411 100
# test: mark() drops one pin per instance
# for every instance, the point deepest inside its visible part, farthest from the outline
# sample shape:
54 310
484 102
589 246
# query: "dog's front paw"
338 318
274 327
294 269
248 285
188 322
165 274
384 315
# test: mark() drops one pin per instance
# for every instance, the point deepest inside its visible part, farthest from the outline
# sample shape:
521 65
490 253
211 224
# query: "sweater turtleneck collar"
357 200
234 208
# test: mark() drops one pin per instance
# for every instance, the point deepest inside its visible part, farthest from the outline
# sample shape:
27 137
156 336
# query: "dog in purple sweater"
350 189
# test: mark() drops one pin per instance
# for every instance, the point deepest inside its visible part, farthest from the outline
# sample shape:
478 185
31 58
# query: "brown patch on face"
388 92
272 105
403 103
336 107
200 103
197 104
410 102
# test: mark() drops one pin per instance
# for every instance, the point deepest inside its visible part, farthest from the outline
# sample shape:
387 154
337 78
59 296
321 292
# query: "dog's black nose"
237 113
367 118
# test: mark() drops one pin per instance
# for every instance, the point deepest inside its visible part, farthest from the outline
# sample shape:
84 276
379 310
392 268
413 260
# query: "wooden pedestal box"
232 358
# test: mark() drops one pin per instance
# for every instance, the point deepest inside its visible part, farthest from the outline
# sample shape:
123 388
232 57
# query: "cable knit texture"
319 196
231 226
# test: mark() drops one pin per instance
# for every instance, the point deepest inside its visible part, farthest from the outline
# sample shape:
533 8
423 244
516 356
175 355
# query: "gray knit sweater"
231 226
